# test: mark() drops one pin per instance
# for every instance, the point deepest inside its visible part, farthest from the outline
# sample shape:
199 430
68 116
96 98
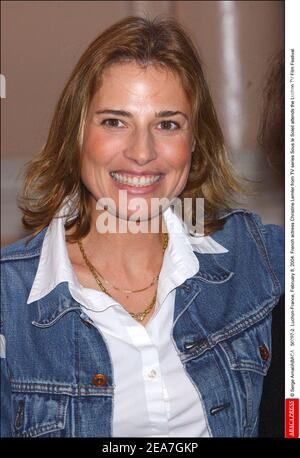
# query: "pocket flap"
251 349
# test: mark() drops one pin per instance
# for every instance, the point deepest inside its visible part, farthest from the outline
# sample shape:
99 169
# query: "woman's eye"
167 125
116 123
111 122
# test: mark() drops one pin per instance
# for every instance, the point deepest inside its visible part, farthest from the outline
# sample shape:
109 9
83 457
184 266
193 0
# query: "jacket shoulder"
26 247
244 233
240 217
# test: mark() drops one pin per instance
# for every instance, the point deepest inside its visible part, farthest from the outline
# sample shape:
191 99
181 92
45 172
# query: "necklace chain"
138 316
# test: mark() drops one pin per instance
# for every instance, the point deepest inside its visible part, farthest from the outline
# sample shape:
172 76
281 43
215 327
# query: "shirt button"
152 374
99 380
264 352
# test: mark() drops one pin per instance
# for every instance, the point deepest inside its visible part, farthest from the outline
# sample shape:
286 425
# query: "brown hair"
271 136
54 174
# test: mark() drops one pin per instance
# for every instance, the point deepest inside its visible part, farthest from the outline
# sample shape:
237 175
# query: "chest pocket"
38 414
249 355
251 350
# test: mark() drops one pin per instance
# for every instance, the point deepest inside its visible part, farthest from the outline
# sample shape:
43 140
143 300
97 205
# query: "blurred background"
42 40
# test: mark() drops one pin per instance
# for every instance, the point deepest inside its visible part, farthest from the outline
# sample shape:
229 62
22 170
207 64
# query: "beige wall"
237 40
42 40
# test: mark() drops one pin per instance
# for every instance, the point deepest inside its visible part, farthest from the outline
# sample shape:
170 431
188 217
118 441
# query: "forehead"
130 83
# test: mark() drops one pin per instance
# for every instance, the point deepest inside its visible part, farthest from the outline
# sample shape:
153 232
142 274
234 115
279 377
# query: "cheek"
99 148
180 158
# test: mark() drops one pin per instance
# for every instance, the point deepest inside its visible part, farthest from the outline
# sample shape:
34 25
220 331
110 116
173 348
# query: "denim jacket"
51 351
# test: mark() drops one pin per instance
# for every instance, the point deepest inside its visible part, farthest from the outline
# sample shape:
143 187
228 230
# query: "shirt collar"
179 263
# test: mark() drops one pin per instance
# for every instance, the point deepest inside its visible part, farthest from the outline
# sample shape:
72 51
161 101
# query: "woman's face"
138 137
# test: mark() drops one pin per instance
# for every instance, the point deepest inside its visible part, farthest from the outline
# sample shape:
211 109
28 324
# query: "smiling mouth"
134 180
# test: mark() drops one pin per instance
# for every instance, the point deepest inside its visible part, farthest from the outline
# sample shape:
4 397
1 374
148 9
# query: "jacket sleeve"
5 388
273 240
5 424
275 246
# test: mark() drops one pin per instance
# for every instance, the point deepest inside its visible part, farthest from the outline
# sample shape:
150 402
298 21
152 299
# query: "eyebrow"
161 114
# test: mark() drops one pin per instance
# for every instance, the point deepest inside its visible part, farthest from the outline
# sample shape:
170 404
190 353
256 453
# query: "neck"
131 252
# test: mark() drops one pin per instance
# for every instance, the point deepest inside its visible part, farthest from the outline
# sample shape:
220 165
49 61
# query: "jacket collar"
59 301
45 287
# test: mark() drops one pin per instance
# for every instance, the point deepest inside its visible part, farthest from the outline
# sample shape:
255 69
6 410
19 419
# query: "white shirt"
153 395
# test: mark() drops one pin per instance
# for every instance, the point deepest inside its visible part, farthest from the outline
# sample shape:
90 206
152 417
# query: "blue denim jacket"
221 330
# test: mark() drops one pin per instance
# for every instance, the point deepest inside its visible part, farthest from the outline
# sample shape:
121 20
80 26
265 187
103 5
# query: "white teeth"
135 181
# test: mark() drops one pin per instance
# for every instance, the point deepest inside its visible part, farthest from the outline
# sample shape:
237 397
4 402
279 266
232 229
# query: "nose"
141 148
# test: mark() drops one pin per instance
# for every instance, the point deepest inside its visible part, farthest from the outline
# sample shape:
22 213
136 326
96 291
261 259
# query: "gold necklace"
140 315
92 268
95 271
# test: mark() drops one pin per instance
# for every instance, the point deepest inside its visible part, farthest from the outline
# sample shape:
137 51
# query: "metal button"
264 352
99 380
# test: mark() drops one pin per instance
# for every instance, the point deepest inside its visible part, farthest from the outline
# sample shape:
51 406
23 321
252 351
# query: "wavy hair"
271 135
54 174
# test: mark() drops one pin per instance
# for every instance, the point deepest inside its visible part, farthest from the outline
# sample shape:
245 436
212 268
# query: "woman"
126 332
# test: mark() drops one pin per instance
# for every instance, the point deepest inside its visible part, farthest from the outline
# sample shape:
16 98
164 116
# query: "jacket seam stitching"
260 242
235 330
